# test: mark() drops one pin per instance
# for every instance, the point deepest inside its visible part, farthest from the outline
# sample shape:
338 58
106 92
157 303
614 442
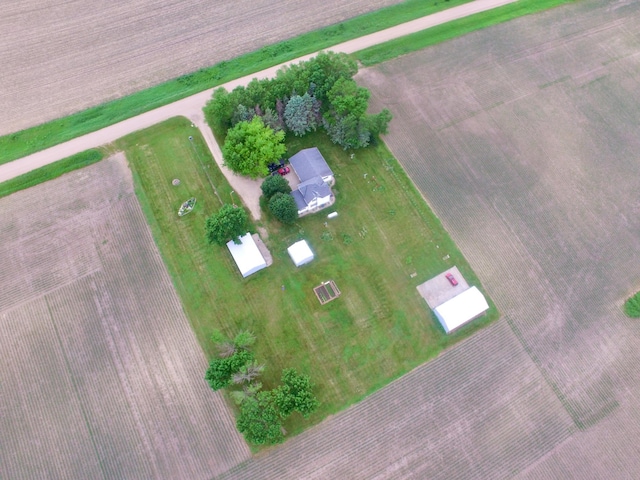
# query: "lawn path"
191 107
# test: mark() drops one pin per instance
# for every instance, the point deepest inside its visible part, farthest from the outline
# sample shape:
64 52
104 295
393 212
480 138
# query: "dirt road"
191 107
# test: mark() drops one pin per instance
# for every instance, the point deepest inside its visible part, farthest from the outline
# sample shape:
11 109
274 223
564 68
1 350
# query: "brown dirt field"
101 374
62 57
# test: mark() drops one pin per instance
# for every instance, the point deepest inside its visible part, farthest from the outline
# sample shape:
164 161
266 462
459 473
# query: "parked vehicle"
284 170
452 279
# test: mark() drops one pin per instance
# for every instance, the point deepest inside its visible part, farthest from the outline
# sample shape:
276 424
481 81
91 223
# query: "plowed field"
101 374
60 57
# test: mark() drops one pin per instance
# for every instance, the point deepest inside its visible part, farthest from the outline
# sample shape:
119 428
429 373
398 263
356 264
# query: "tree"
302 114
379 122
347 131
230 223
251 146
325 69
221 370
271 120
347 98
295 394
274 184
249 390
259 419
244 339
284 208
242 114
219 109
247 373
346 121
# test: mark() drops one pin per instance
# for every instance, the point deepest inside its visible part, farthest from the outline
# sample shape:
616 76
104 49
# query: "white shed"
246 255
461 309
300 253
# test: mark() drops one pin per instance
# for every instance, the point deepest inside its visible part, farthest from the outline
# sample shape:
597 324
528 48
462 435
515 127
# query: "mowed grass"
25 142
456 28
49 172
378 329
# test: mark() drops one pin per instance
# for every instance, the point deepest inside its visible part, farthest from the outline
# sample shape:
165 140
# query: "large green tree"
221 370
251 146
295 394
347 122
259 419
230 223
302 114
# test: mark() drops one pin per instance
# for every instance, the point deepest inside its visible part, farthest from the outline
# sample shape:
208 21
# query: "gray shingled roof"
300 203
307 191
309 163
316 187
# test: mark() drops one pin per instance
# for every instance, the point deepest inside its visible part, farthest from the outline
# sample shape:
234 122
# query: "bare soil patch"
101 374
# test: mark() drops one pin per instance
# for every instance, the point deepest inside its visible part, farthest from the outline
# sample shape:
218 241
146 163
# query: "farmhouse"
247 255
314 191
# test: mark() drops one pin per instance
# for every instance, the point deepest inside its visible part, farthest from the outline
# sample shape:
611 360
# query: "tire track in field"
40 410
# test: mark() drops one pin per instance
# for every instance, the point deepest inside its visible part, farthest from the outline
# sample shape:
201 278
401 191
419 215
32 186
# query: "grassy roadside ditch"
456 28
374 332
25 142
49 172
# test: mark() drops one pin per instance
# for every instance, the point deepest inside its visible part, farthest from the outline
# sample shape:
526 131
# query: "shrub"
284 208
632 306
274 184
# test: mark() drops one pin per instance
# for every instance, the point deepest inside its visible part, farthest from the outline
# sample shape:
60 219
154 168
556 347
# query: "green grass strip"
51 171
456 28
25 142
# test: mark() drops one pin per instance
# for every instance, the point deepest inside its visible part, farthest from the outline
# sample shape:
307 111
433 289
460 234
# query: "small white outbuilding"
247 255
461 309
300 253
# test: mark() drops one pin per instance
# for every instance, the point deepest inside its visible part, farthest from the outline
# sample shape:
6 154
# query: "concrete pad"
438 290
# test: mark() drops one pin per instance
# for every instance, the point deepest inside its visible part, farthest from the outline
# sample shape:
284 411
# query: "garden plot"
100 368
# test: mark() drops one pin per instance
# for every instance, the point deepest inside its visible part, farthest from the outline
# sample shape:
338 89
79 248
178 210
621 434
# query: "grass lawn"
51 171
378 329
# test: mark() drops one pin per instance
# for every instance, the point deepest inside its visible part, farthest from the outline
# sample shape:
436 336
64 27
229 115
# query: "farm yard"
372 333
62 57
102 376
522 138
